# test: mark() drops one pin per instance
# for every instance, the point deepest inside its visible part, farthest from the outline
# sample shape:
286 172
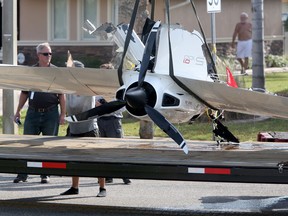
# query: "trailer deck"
259 162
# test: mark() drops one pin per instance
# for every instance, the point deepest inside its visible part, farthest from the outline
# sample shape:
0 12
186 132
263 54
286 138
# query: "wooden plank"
139 151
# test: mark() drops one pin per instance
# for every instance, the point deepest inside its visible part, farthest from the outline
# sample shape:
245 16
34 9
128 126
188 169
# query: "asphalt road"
142 197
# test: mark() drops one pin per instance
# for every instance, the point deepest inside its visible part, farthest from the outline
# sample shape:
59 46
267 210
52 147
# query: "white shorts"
244 49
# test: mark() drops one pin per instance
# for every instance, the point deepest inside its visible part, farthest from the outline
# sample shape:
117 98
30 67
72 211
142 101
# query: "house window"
91 10
59 19
112 14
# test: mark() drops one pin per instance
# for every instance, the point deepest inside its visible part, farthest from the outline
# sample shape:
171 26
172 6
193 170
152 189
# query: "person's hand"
16 116
98 103
62 119
233 45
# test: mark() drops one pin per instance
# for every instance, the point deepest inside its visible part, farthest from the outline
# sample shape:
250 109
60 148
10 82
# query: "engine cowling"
161 93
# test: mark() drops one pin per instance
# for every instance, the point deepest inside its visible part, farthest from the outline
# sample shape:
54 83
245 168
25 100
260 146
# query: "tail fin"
230 79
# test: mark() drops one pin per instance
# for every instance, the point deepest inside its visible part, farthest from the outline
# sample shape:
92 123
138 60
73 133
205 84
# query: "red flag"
230 79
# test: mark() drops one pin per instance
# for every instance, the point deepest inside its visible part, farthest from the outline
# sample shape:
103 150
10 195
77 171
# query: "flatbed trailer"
255 162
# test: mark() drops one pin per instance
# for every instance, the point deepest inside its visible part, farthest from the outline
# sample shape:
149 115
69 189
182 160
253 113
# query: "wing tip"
185 149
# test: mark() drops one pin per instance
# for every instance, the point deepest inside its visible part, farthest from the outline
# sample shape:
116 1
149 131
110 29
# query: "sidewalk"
269 70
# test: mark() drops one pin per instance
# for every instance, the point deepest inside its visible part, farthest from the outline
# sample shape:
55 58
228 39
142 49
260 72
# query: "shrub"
276 61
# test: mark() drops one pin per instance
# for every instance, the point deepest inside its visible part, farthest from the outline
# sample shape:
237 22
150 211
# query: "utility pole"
9 41
213 6
213 36
258 77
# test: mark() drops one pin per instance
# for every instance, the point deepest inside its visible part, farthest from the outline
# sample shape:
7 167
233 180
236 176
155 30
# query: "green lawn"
275 82
203 130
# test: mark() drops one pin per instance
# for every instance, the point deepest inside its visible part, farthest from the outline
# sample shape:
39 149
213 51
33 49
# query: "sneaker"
102 192
243 72
45 180
19 179
71 191
126 181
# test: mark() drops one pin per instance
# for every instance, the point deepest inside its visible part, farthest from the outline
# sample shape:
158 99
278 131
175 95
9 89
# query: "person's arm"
250 28
62 102
22 100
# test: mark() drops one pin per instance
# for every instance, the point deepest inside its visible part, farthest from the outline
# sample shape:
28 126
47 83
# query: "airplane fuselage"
164 95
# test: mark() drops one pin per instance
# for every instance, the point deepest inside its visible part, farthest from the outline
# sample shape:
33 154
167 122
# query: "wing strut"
127 41
214 70
171 68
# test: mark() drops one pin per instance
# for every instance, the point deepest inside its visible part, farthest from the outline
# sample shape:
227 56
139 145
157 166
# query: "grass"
275 82
244 131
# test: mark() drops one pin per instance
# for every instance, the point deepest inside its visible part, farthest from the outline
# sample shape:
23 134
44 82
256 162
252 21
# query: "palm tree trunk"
258 76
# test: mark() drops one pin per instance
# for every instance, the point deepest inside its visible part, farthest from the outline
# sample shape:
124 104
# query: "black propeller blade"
147 53
106 108
167 127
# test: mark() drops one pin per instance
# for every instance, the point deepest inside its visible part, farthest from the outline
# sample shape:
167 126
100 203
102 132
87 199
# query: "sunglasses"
46 54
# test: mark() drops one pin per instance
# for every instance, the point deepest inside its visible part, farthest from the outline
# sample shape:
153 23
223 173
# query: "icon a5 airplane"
170 81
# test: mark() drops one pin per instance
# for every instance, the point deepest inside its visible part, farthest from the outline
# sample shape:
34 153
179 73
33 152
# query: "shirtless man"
243 30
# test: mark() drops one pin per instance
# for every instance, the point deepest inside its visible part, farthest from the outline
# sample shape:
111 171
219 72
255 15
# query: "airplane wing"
231 99
82 81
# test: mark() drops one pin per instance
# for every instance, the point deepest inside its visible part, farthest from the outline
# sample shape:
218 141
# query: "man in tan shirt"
243 31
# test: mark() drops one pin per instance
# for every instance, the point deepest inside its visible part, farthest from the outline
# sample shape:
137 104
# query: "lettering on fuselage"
197 60
189 103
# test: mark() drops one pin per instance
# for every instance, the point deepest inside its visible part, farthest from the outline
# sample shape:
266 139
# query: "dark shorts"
46 123
110 127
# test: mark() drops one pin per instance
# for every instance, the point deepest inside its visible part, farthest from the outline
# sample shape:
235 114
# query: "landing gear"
221 132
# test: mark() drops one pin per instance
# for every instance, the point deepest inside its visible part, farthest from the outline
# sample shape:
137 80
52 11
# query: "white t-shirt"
76 104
